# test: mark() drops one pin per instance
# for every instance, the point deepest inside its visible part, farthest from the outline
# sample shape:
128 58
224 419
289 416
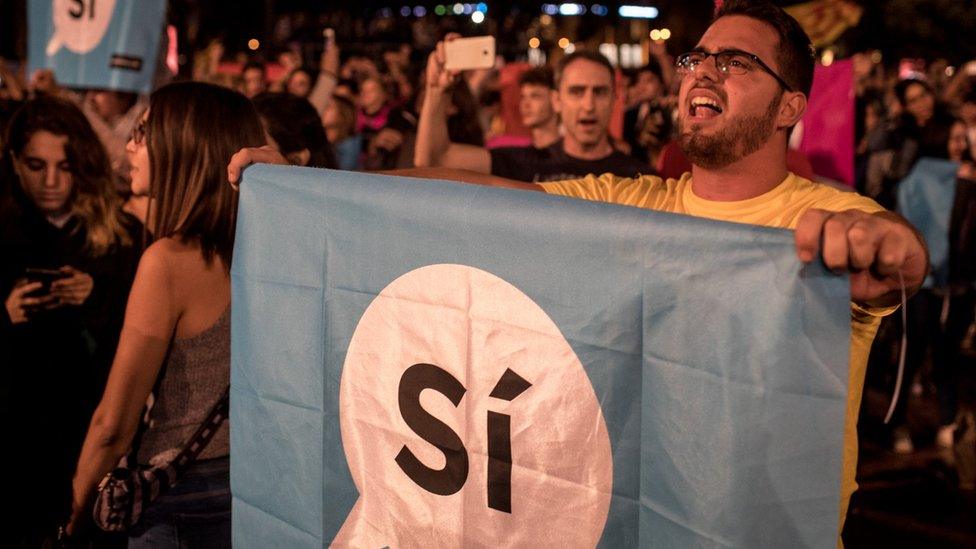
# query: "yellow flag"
825 20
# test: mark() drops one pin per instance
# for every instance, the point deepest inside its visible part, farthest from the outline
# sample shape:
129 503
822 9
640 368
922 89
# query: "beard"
737 140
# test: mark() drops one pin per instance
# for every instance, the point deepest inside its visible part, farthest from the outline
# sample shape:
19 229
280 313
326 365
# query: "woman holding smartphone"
67 258
176 334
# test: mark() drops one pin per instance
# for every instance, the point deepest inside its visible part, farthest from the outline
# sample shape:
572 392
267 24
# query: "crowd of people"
117 221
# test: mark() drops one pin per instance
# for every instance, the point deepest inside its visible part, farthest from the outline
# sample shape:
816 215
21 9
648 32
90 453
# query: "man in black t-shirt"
553 163
584 99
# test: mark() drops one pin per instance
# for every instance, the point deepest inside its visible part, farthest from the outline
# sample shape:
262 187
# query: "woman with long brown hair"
67 258
176 334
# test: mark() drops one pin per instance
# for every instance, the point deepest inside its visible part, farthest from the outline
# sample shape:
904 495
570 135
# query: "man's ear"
556 104
791 109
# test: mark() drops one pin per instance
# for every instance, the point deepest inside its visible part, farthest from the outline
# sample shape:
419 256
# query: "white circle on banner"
488 360
79 25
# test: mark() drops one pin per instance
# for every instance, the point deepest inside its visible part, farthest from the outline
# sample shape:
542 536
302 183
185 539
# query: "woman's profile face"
920 102
300 84
138 154
958 141
45 173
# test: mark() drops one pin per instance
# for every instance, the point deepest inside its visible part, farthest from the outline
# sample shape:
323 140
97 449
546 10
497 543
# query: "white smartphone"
477 52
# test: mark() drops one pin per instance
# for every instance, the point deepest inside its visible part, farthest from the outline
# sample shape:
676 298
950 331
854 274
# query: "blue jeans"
194 513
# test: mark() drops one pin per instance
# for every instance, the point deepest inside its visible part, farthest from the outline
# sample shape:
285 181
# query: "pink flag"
828 126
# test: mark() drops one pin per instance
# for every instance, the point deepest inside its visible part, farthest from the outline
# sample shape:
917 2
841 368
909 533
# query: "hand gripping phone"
477 52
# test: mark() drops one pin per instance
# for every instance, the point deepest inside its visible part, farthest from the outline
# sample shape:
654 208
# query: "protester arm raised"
433 146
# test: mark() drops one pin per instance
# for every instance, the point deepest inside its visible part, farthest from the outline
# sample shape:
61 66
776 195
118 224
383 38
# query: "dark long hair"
192 131
295 124
94 201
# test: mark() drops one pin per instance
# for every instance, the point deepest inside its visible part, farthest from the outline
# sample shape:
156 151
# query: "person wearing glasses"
175 340
743 88
68 255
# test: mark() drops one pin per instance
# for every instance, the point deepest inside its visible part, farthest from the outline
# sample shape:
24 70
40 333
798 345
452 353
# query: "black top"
553 164
55 364
962 236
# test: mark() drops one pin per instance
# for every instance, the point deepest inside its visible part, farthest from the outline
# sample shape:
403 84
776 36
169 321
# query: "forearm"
104 446
321 93
464 176
432 136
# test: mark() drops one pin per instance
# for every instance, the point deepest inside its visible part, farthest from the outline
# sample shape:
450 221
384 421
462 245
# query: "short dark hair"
254 64
538 76
795 54
653 66
591 56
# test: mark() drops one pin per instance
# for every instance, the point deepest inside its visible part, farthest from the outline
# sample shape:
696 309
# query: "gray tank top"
192 378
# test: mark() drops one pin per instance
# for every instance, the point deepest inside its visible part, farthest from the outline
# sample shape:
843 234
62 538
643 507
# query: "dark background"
929 29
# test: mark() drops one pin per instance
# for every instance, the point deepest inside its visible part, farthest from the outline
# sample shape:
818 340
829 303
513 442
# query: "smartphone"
477 52
45 277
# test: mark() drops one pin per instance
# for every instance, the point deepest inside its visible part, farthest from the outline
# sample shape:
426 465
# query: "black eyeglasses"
729 62
139 133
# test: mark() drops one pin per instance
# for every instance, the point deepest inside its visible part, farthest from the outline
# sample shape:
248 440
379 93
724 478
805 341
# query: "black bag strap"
204 433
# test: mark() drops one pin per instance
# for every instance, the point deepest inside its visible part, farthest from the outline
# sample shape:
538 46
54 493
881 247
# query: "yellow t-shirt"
781 207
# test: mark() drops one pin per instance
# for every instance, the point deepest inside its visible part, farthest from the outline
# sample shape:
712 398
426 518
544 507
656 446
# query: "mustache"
712 88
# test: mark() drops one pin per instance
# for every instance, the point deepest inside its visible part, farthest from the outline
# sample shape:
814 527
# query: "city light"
563 42
458 9
419 11
534 42
610 52
253 44
599 9
655 35
440 10
550 9
477 17
405 11
571 9
665 34
638 12
482 7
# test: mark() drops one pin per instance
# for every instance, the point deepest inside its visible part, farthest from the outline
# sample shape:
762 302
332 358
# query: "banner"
107 44
825 20
925 198
421 364
828 126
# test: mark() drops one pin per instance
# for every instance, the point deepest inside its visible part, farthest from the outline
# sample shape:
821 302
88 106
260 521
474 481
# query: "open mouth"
587 123
704 107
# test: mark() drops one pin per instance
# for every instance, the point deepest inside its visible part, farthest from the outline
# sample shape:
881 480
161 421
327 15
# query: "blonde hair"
94 200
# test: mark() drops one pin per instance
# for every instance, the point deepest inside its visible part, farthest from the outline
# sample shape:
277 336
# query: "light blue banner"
106 44
925 199
421 363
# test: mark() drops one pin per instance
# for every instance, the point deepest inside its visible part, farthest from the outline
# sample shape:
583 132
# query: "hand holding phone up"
438 78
